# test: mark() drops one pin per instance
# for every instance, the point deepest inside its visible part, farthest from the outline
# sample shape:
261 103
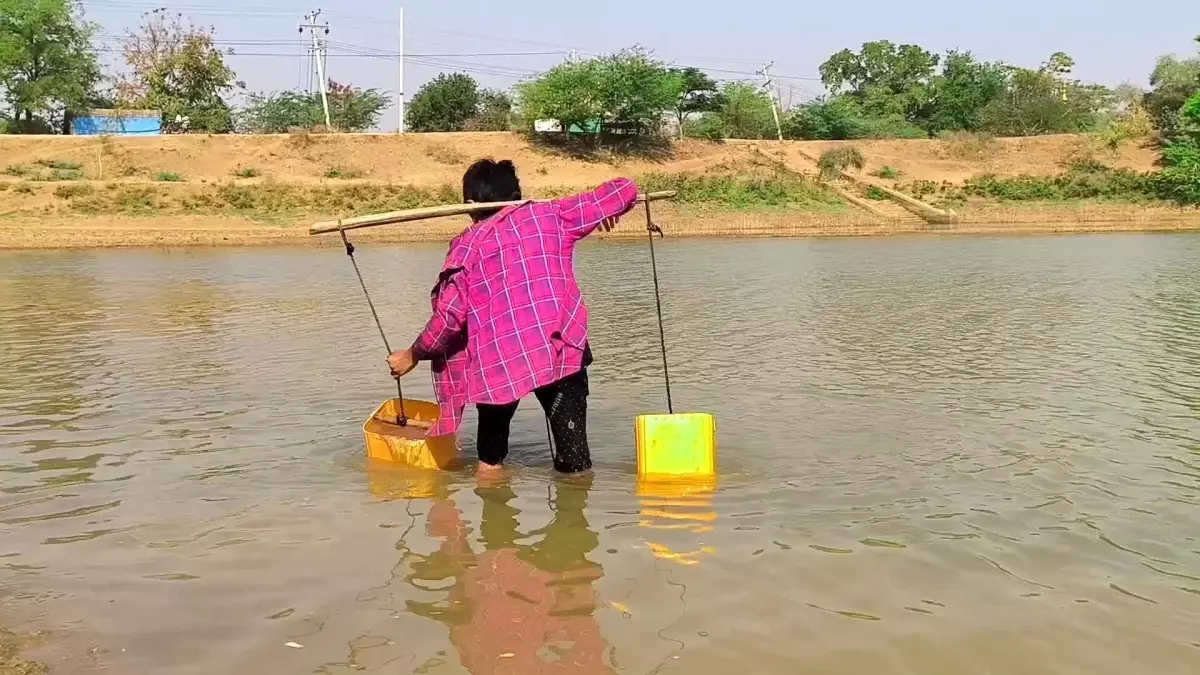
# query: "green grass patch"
265 200
1084 181
876 194
168 177
343 173
18 170
743 188
128 199
888 173
246 172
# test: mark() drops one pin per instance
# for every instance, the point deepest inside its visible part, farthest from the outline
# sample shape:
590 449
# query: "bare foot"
489 474
486 469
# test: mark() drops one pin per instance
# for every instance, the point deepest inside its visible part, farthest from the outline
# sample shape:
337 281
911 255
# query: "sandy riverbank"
74 192
209 231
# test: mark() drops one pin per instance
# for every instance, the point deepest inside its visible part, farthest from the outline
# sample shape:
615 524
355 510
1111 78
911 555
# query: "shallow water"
958 455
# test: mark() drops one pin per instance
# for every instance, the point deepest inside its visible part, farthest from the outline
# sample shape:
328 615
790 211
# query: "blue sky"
1112 42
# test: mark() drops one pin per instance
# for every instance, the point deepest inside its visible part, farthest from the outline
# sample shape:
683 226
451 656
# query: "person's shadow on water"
516 608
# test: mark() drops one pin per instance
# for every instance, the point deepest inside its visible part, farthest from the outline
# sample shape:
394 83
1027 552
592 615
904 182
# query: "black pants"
565 403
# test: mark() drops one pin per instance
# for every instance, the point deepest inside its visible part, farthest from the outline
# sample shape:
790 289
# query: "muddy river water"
937 455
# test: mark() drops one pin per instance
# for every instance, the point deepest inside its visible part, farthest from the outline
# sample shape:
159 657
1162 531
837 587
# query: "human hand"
401 362
609 223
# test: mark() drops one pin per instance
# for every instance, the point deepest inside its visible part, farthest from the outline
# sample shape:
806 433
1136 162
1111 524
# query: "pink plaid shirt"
508 316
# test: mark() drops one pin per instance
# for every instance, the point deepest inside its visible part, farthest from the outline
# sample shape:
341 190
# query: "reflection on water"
511 606
677 512
937 456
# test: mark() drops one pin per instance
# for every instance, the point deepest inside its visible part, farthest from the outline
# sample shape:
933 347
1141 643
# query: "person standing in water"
509 318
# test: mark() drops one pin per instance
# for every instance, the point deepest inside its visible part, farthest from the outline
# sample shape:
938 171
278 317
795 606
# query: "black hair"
490 181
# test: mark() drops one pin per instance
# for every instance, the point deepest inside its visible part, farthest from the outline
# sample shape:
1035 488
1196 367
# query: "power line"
445 60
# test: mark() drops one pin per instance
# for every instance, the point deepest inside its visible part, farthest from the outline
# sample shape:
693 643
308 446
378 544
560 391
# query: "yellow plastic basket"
408 445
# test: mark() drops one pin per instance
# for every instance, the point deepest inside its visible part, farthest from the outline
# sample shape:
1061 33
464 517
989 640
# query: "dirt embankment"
180 190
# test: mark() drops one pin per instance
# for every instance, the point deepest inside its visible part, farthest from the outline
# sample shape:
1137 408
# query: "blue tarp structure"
118 123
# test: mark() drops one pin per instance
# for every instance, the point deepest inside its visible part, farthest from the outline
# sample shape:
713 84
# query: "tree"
567 93
696 93
445 103
826 119
1034 103
1180 178
628 91
962 91
1060 64
495 112
176 68
354 109
1172 83
350 109
885 78
47 66
635 90
1190 118
277 113
745 112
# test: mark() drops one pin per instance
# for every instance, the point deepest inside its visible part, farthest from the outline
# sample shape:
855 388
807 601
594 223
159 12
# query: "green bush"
843 118
1180 184
876 194
246 172
1181 155
834 162
1083 181
18 170
168 177
888 173
709 127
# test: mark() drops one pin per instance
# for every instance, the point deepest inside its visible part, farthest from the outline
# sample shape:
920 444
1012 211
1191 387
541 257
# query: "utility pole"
400 93
319 50
767 84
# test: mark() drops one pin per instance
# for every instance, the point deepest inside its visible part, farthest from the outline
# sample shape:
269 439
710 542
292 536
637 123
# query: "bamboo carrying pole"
428 212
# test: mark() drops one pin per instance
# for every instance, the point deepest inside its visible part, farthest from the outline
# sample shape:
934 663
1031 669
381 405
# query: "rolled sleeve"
582 213
448 320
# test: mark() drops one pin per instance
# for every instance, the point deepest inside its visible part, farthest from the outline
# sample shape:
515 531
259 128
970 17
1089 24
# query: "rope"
402 419
651 229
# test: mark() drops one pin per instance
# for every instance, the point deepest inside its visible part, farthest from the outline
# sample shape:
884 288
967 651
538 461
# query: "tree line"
50 72
883 90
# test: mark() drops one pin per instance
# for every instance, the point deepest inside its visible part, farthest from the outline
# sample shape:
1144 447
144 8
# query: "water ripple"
948 441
